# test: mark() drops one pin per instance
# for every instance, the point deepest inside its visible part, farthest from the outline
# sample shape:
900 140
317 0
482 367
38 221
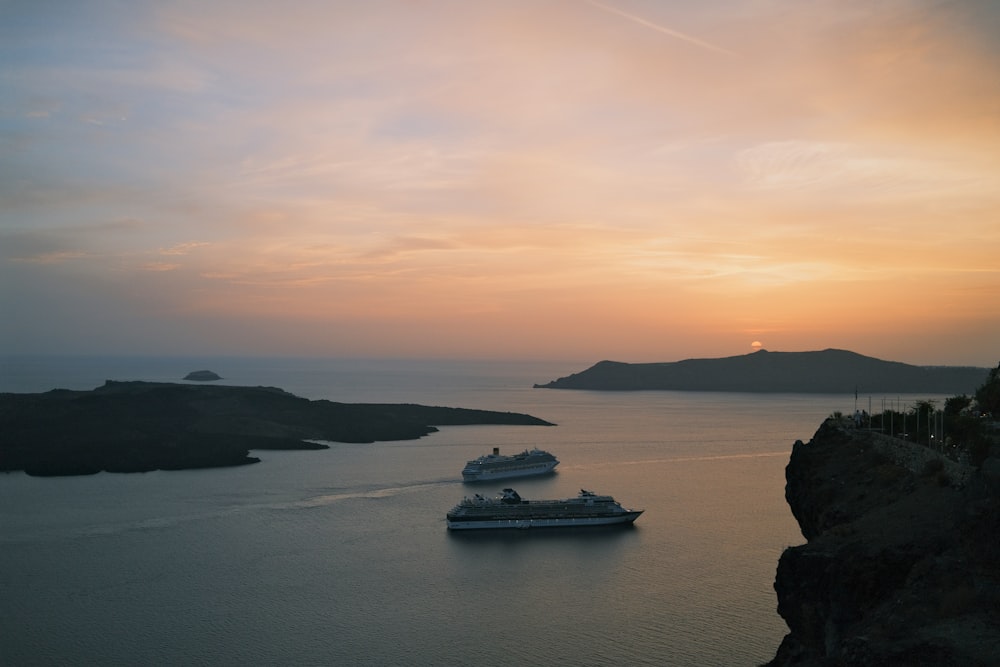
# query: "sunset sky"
638 180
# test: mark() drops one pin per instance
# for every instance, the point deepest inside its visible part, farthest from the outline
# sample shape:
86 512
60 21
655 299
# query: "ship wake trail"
367 493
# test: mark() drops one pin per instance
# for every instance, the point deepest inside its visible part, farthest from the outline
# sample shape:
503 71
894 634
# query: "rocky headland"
902 560
142 426
825 371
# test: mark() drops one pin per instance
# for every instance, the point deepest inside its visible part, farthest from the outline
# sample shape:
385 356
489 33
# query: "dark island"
902 563
142 426
202 376
824 372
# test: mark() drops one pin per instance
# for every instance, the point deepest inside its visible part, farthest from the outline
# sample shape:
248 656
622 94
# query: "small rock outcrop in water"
141 426
902 563
202 376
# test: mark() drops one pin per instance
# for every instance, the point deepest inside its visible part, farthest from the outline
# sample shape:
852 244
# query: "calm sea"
341 557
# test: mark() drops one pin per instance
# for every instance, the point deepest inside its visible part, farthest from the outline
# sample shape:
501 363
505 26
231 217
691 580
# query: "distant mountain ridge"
828 371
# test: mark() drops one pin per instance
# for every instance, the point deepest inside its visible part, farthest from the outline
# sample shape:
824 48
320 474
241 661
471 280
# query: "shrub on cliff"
988 395
953 406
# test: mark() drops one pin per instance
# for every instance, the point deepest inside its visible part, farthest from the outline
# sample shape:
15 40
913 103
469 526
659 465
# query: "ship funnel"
496 451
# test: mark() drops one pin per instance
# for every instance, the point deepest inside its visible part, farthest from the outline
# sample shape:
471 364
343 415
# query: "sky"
637 180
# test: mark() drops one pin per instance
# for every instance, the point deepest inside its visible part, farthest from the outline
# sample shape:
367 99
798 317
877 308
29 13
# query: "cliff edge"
902 560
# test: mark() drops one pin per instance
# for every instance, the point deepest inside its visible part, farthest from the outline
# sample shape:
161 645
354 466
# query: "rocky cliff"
902 560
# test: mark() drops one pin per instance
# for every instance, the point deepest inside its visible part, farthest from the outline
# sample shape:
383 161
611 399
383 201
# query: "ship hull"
541 522
544 468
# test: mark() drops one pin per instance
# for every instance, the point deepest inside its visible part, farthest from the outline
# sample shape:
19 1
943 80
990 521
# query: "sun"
756 345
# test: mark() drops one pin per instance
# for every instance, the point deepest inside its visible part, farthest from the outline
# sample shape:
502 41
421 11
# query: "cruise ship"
497 466
509 510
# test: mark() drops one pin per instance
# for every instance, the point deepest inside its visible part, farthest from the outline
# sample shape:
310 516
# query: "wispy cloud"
816 166
401 246
55 257
159 267
465 168
183 248
659 28
39 247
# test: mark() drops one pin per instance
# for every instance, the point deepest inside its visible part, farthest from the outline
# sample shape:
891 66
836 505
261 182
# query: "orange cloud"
584 179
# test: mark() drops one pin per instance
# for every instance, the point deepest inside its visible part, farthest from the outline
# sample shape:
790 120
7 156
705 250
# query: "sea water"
342 557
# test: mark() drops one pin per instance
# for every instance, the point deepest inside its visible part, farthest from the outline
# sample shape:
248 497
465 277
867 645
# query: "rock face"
140 426
826 371
902 563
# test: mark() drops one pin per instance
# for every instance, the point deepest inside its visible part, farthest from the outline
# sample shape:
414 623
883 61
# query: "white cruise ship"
498 466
